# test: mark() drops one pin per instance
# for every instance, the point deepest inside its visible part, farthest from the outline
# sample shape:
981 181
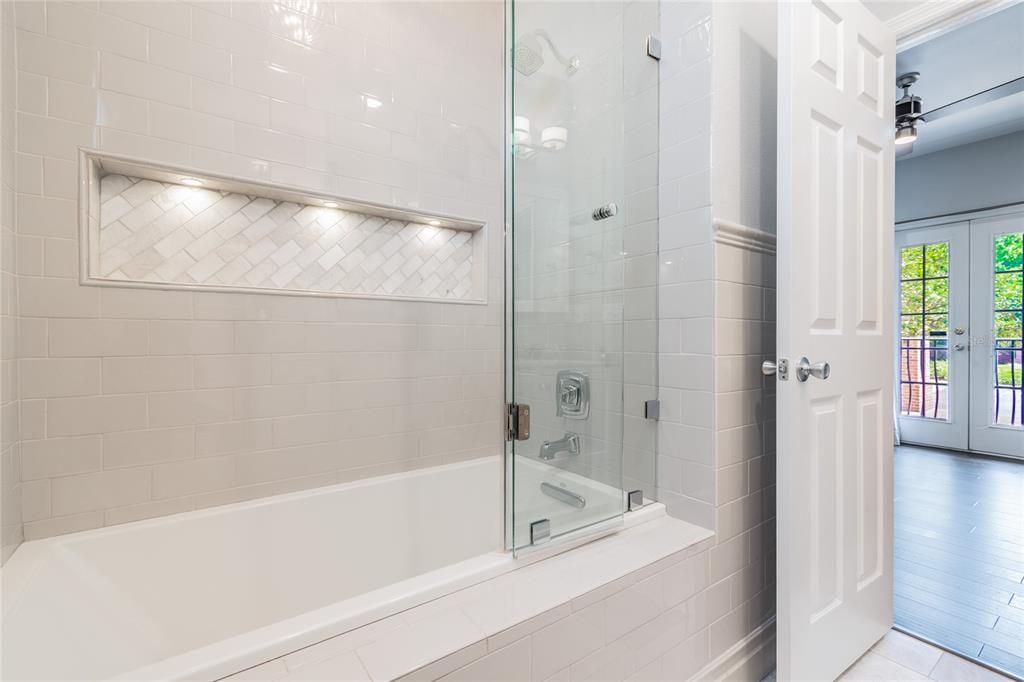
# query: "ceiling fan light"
906 134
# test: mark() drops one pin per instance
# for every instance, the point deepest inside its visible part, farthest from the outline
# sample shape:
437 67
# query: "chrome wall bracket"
540 532
654 47
652 409
634 500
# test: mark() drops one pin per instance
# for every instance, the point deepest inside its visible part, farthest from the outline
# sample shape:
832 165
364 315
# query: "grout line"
936 664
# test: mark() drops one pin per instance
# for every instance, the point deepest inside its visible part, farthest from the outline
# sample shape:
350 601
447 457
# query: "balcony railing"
924 379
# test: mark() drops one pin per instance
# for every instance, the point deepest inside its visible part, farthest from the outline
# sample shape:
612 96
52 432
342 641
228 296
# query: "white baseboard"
749 660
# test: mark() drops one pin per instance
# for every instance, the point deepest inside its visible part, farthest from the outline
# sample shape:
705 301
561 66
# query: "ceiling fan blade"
998 92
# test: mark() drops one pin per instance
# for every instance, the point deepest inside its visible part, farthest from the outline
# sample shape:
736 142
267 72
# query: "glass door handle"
606 211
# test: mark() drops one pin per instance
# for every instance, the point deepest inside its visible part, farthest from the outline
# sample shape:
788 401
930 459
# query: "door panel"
933 265
836 64
997 344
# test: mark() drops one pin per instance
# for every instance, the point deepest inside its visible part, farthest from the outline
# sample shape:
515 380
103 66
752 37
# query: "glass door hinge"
654 47
652 409
517 421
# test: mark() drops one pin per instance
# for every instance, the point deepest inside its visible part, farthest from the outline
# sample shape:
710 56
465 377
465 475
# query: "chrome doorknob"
818 370
959 346
781 368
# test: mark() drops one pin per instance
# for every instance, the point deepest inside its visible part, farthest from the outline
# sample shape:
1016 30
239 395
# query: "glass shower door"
566 275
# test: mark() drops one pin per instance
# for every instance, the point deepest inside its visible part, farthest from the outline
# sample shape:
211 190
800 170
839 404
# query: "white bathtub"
205 594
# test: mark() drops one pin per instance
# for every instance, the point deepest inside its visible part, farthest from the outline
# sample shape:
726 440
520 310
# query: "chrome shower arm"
571 64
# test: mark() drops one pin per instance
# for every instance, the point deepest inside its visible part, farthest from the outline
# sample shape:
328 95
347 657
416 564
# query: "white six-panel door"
836 74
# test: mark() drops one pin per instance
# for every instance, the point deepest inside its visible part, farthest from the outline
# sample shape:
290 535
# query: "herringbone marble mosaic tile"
159 232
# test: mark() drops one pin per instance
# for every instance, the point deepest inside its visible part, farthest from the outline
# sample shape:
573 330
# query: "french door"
997 338
933 264
959 374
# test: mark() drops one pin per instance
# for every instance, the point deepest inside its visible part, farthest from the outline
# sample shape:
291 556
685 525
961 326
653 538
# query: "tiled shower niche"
170 228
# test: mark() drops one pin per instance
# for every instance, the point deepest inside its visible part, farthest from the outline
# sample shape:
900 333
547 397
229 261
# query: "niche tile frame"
95 165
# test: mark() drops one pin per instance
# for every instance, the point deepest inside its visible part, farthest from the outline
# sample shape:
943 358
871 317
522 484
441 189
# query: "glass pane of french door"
924 341
933 267
1008 342
997 309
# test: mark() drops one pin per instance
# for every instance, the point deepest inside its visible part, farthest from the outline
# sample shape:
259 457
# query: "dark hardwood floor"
959 566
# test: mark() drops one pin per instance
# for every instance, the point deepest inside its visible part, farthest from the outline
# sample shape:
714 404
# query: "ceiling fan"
909 107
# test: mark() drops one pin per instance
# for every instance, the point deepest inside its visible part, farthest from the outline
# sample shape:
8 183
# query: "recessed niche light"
331 204
435 223
373 102
192 182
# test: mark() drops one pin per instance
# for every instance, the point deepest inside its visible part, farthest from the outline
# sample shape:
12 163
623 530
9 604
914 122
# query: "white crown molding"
743 237
931 19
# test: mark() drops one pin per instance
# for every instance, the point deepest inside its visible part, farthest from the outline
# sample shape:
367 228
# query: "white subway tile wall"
744 38
686 303
171 234
141 403
716 440
11 488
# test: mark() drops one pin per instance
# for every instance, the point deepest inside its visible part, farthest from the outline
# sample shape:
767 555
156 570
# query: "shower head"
529 57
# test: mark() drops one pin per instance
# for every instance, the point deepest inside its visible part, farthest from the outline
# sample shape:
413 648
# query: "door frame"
961 216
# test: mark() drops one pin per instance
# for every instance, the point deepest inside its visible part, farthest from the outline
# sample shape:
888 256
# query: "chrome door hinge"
517 421
652 409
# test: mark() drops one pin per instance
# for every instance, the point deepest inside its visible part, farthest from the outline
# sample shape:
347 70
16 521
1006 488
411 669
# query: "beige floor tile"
952 668
908 651
875 668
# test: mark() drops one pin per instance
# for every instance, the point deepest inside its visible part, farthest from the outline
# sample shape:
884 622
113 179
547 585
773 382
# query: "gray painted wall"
965 178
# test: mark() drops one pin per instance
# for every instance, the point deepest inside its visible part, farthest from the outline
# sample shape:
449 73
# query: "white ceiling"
960 63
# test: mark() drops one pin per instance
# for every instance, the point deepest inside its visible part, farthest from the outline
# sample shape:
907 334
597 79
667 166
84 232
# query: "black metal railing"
923 357
1008 367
